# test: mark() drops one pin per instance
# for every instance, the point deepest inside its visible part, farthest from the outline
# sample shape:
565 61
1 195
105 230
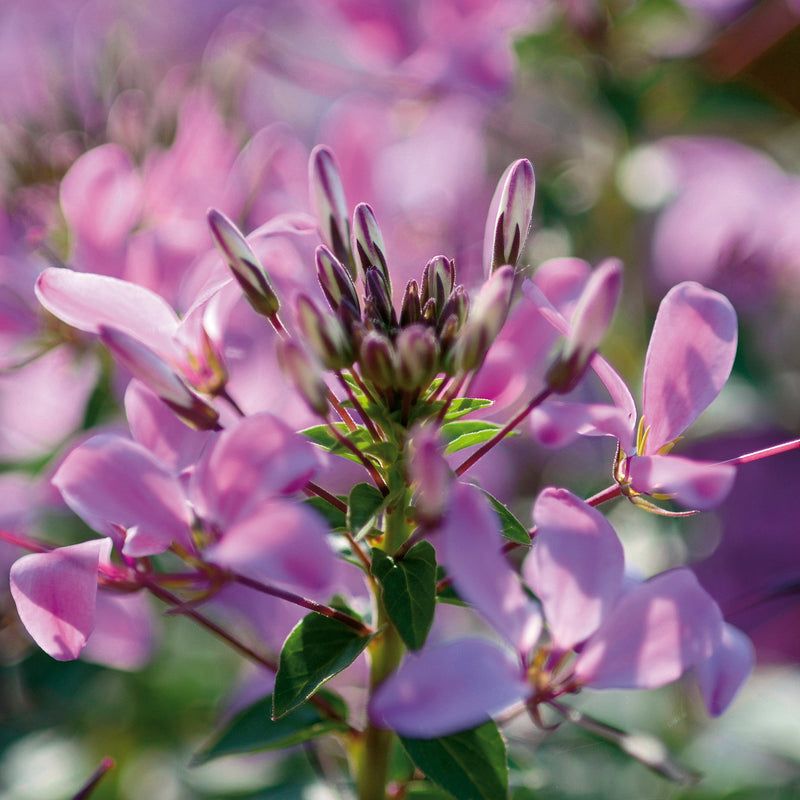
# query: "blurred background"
662 132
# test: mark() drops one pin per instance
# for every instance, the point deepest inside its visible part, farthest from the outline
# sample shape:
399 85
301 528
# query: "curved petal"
481 573
689 358
253 461
449 688
722 675
281 541
111 482
556 424
653 635
701 485
89 302
55 594
575 567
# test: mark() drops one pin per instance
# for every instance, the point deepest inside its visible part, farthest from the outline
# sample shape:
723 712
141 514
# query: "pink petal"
88 302
722 675
111 482
448 688
255 460
556 424
575 567
689 358
280 542
123 635
700 485
653 635
471 552
55 595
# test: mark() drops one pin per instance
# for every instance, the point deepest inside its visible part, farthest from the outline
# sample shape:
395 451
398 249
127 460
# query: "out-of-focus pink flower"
602 633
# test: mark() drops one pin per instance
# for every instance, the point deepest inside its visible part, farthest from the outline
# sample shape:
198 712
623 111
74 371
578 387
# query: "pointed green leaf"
467 432
513 529
362 505
318 648
464 405
471 765
408 590
253 730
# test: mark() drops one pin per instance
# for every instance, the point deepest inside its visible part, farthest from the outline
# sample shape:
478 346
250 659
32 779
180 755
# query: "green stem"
386 650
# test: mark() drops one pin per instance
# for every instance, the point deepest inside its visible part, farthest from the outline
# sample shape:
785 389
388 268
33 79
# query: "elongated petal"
281 541
88 302
557 424
689 358
448 688
722 675
472 543
110 481
700 485
55 594
251 462
575 567
653 635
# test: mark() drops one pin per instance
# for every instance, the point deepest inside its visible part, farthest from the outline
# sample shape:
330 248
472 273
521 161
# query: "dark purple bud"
369 247
246 266
411 310
437 281
330 205
417 357
514 197
457 305
305 375
334 279
378 300
378 360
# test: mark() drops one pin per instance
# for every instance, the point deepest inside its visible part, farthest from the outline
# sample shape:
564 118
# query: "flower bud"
457 306
438 278
514 211
411 310
334 279
305 375
378 300
160 376
330 205
245 264
590 321
378 360
369 247
417 357
206 371
324 334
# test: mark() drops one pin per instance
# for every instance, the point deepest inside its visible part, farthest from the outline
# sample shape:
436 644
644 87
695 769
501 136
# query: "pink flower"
600 633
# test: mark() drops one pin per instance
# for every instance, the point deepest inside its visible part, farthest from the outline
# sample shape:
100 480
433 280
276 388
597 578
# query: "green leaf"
408 589
471 765
467 432
513 529
318 648
362 505
464 405
253 730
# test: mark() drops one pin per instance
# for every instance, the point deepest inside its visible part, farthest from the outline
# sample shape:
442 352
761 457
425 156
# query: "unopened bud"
245 264
417 357
330 205
324 334
378 300
514 197
305 375
369 247
378 360
590 321
160 376
438 278
411 310
457 306
486 319
334 279
206 370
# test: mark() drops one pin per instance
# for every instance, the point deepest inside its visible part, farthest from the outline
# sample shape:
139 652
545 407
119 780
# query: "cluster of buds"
397 352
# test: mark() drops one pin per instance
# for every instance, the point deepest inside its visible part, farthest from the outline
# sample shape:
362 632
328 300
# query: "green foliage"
468 432
408 590
471 765
318 648
364 503
513 529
